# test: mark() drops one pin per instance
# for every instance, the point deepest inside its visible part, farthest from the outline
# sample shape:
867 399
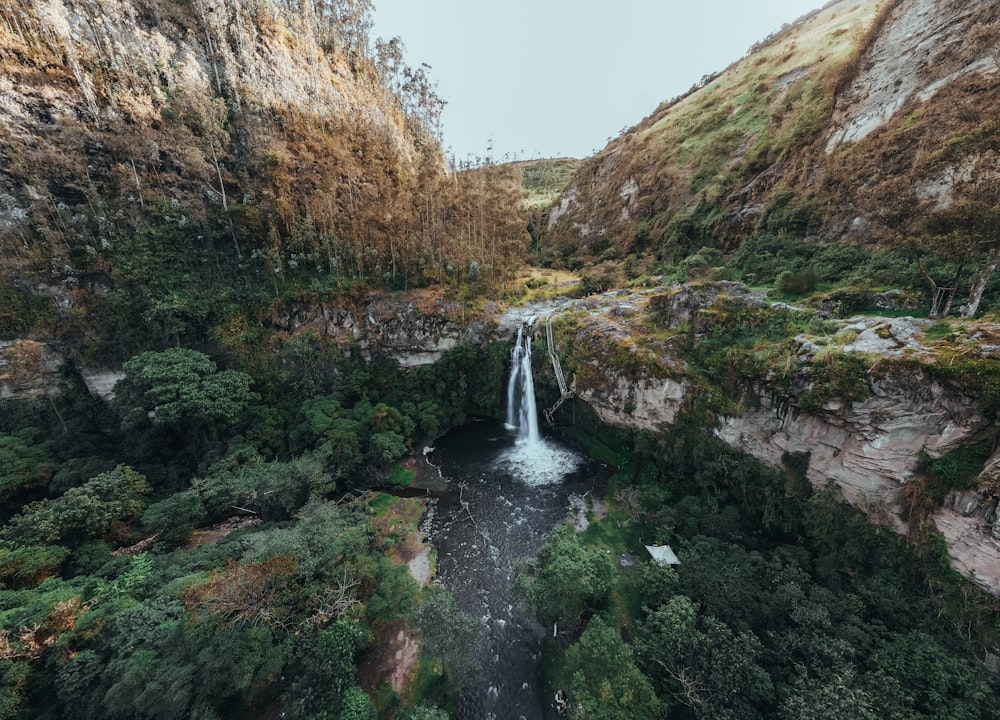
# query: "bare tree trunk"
951 299
953 290
979 286
225 203
138 185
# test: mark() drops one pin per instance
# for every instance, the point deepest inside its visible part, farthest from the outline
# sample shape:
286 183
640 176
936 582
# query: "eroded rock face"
869 449
409 330
912 58
973 550
31 369
28 369
101 382
646 403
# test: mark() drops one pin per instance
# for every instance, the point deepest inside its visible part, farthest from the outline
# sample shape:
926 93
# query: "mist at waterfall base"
508 488
532 459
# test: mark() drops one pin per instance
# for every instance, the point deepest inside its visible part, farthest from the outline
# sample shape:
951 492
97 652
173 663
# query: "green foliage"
960 468
401 477
976 375
603 679
27 565
921 674
543 180
24 462
939 330
797 283
22 312
356 705
323 687
174 518
328 542
447 635
422 712
841 376
82 513
13 677
708 667
594 283
385 448
132 582
789 211
748 626
181 387
567 580
696 264
686 231
245 481
764 258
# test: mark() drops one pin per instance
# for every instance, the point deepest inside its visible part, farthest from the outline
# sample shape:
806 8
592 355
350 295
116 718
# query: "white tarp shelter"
663 555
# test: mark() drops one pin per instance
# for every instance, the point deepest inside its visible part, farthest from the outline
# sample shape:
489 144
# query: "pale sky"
554 78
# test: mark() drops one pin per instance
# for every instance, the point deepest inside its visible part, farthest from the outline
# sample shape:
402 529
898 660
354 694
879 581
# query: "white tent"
663 555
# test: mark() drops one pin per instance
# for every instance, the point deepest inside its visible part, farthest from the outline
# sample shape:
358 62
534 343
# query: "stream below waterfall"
505 495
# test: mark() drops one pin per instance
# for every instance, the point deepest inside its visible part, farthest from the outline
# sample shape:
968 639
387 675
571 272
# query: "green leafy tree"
174 518
323 672
24 462
566 580
246 482
603 679
181 388
385 448
701 665
932 682
447 635
834 698
356 705
82 513
29 564
13 677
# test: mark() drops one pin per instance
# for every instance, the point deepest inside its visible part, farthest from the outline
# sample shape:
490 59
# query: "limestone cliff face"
924 46
868 448
28 369
640 403
162 102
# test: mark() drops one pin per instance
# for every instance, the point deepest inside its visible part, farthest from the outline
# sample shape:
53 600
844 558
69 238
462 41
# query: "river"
505 495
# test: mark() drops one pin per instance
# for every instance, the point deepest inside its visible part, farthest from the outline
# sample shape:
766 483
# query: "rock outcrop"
914 55
869 448
28 369
414 329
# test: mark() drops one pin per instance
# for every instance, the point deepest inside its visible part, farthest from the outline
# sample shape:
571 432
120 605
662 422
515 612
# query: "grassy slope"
746 153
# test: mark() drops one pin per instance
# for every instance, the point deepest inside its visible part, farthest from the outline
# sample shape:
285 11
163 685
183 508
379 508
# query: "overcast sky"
553 78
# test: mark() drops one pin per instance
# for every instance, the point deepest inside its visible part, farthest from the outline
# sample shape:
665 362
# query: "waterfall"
522 415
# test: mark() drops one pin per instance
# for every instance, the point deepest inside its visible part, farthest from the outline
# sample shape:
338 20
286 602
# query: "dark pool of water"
503 499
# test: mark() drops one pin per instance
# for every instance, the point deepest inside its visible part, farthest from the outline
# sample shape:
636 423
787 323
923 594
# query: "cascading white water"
522 413
515 363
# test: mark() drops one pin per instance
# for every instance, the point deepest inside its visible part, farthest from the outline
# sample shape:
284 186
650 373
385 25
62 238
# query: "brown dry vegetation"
746 152
141 136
